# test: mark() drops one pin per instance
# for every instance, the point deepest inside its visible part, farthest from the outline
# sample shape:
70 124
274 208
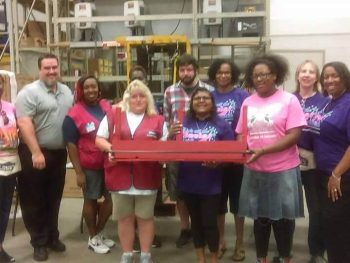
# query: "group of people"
293 140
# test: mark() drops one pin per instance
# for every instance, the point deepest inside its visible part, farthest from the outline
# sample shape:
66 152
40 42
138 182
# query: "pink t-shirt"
268 121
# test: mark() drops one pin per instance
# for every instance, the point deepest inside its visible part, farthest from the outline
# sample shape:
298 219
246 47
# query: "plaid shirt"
175 98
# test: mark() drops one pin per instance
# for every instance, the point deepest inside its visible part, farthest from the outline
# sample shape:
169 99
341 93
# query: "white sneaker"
146 258
127 258
108 242
97 245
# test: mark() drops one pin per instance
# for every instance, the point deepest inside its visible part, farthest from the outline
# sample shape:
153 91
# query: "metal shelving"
57 41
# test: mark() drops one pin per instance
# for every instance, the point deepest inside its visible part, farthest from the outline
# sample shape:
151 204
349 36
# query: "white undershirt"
134 121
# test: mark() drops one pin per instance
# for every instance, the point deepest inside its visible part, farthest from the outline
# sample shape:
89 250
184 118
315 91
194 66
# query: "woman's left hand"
174 129
334 190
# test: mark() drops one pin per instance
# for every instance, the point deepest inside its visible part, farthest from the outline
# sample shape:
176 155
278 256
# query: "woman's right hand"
111 157
81 180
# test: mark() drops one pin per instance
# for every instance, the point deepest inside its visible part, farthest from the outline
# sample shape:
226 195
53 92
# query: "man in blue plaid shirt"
177 97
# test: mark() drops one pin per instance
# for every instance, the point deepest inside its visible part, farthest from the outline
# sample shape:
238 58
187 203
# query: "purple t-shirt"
193 177
311 108
229 104
334 138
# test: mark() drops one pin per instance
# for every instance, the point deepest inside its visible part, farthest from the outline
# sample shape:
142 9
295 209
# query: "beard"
50 82
188 80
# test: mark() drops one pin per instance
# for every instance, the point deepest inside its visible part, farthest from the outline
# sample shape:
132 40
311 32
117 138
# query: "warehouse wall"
317 29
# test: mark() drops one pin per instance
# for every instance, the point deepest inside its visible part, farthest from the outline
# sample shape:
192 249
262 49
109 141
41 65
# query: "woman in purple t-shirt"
200 183
228 99
332 152
311 100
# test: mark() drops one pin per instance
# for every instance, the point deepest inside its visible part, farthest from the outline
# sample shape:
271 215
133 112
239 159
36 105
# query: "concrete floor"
167 228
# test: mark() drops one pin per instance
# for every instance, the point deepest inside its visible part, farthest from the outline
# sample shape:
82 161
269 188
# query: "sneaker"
184 238
317 259
96 244
127 258
146 258
156 242
5 258
136 246
108 242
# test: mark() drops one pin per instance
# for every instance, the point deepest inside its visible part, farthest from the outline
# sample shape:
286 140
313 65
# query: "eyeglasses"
200 98
262 76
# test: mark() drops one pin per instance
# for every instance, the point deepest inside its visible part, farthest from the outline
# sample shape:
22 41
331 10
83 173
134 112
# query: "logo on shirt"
261 120
152 134
226 110
90 126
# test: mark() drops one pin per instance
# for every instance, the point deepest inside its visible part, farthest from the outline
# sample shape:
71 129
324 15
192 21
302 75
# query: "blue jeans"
7 185
312 186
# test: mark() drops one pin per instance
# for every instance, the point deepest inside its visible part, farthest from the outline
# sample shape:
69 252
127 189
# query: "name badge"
90 127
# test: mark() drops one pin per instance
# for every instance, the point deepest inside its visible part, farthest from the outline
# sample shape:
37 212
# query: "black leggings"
204 211
283 230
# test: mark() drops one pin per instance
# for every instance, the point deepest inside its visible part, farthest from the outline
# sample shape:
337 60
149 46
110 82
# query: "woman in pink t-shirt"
9 164
271 188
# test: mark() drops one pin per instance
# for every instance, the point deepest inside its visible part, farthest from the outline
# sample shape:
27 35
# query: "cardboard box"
36 29
71 190
27 41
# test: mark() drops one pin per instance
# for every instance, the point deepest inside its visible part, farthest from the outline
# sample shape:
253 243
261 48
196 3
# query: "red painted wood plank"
222 151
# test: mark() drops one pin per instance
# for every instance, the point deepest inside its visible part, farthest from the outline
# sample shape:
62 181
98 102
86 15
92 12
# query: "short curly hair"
277 65
215 66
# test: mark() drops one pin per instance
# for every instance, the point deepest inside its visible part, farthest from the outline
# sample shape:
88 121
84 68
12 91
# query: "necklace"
203 128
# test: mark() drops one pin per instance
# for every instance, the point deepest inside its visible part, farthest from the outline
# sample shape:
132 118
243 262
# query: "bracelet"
336 177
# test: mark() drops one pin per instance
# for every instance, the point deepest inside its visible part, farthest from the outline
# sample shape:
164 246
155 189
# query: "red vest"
90 157
143 175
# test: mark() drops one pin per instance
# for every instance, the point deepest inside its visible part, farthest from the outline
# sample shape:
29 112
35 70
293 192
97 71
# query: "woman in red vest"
79 131
134 184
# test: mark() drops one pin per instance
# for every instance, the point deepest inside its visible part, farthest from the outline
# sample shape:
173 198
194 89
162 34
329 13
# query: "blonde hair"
137 85
316 84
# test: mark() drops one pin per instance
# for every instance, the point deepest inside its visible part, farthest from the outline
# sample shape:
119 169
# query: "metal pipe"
26 21
16 30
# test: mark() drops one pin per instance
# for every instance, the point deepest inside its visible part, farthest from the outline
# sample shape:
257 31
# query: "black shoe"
157 243
5 258
57 246
317 259
184 238
40 254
